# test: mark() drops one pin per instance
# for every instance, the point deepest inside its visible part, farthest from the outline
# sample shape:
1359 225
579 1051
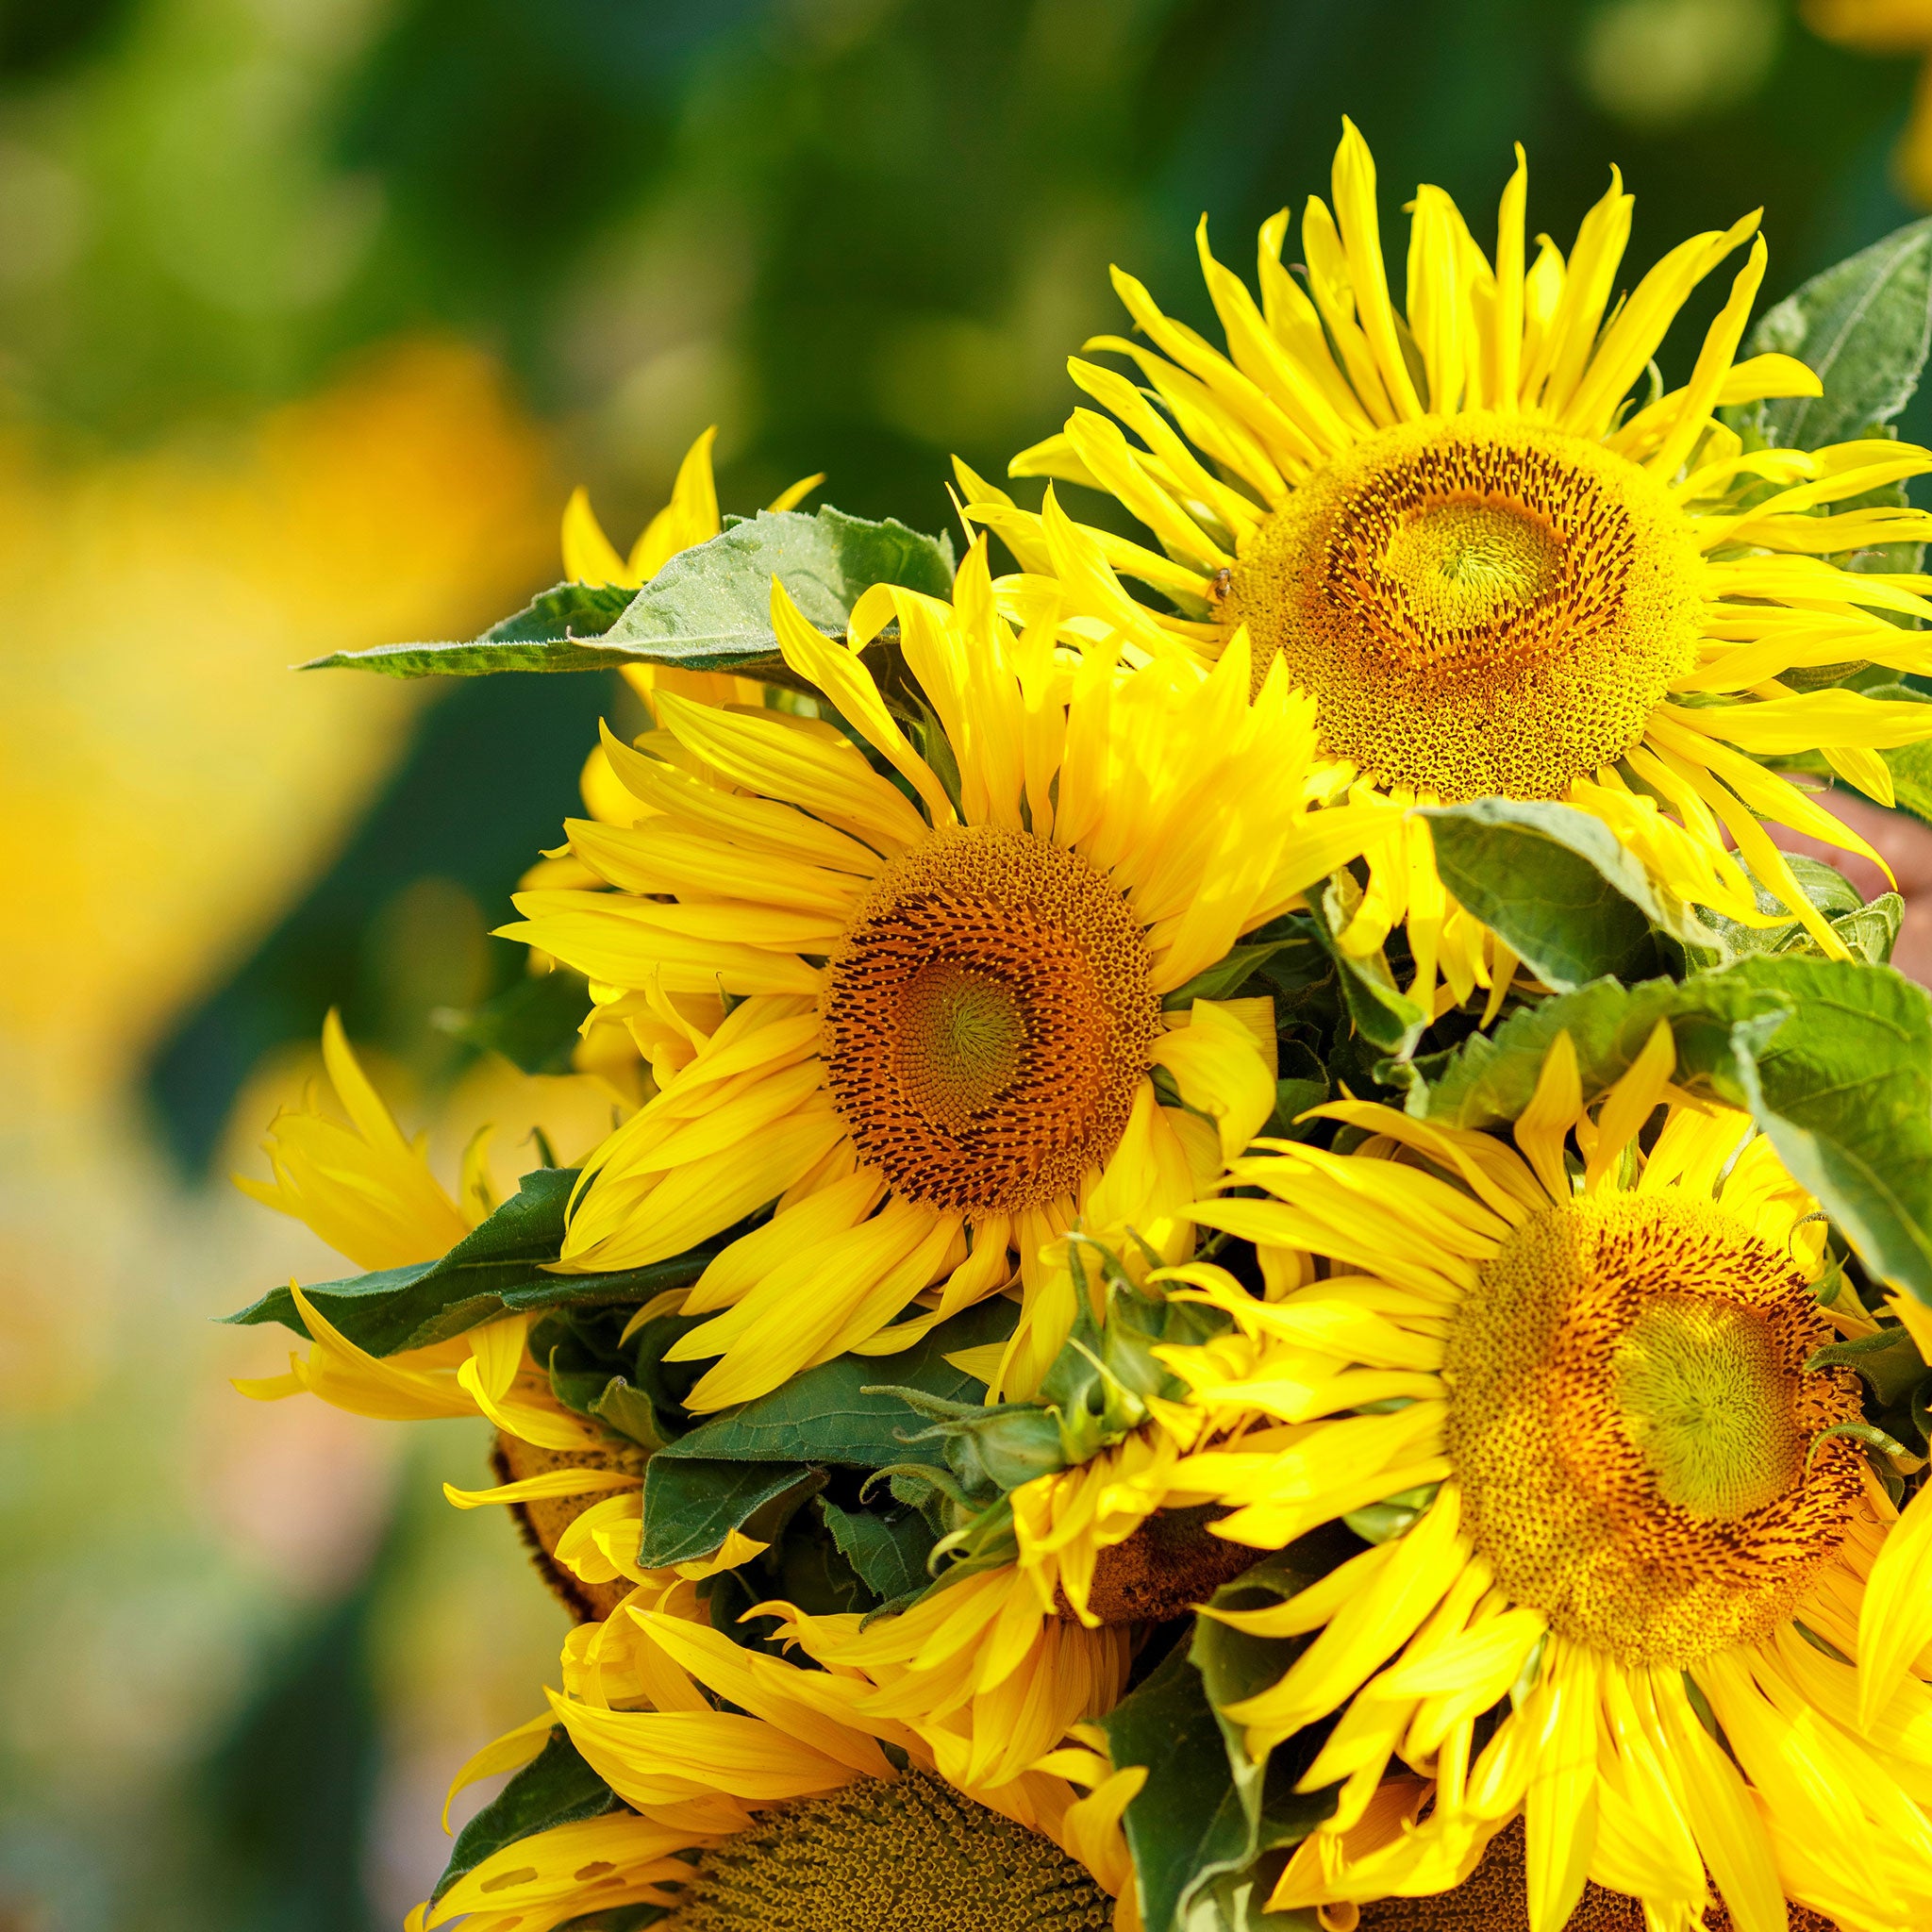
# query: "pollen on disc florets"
901 1855
1477 603
987 1019
1636 1439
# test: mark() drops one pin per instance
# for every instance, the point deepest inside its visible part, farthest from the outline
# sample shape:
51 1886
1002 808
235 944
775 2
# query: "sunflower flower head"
755 1793
1635 1516
930 971
1493 571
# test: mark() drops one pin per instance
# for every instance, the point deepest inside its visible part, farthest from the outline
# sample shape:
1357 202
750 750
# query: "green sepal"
1221 980
1557 888
556 1788
1889 1359
533 1024
1382 1013
1864 325
709 609
1868 928
629 1412
494 1269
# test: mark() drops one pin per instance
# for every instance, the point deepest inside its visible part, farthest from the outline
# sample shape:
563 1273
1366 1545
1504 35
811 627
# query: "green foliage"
1864 325
1207 1810
1832 1059
837 1412
533 1023
496 1269
1869 930
889 1550
707 610
718 1476
550 633
1557 887
690 1508
556 1788
1844 1090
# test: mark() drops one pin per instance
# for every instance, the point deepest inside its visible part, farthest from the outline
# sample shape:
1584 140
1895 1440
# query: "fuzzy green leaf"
1557 887
1833 1060
1845 1094
556 631
707 610
494 1269
556 1787
1864 325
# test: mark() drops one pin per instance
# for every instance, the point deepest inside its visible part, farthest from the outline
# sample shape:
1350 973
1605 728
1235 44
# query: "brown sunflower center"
1477 603
1495 1898
900 1854
1636 1435
987 1019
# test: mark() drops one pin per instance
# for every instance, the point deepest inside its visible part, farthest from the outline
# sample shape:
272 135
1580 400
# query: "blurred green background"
311 311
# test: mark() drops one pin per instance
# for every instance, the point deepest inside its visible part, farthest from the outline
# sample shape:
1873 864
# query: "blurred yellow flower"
1890 26
363 1188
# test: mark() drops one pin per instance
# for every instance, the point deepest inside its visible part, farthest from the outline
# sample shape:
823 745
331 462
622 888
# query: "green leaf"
556 1787
690 1508
887 1549
553 632
826 1414
494 1269
533 1025
1557 886
1207 1810
1234 1902
1868 931
1488 1080
1833 1060
1187 1822
707 610
1845 1094
1864 325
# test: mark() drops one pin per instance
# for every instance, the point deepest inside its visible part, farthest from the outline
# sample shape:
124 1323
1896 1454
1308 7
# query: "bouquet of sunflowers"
1261 1263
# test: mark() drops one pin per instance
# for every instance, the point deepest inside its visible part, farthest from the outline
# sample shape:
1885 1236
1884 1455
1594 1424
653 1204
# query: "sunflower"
1493 574
759 1794
1045 1591
1650 1597
926 993
369 1192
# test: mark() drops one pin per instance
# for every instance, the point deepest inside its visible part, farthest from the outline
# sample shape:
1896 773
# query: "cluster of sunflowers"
1260 1264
